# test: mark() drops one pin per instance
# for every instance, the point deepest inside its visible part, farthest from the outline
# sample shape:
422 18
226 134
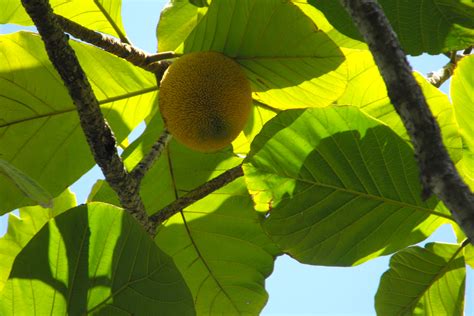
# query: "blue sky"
294 288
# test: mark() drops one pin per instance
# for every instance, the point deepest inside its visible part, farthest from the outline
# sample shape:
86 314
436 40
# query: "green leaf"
100 15
221 251
259 116
338 187
25 184
40 133
22 229
288 60
469 255
423 281
94 259
432 26
218 243
462 94
366 90
344 42
177 20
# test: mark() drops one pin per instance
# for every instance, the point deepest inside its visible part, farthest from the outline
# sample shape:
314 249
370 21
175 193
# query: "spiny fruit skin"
205 100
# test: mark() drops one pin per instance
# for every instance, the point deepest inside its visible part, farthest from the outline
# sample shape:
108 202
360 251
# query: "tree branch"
438 77
98 134
438 174
116 47
155 152
196 194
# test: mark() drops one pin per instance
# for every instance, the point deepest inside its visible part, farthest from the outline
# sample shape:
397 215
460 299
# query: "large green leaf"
217 243
100 15
177 20
40 133
432 26
423 281
366 90
289 61
94 258
222 252
338 187
22 229
462 94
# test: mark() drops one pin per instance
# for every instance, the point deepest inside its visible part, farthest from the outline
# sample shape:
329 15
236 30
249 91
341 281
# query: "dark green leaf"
338 187
199 3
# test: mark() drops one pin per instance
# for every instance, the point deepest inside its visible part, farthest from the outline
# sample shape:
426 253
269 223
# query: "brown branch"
145 164
98 134
196 194
116 47
438 174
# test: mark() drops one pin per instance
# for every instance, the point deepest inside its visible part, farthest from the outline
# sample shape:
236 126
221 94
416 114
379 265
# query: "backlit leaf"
289 61
423 281
462 93
94 259
40 133
177 20
366 90
22 229
100 15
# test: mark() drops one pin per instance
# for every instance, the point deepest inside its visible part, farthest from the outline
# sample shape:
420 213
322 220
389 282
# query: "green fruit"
205 100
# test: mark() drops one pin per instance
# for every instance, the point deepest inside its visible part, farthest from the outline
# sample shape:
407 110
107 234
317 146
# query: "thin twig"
98 134
161 56
114 46
438 77
155 152
437 171
196 194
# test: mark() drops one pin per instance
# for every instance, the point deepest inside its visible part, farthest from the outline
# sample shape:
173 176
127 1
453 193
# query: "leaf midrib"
368 196
72 108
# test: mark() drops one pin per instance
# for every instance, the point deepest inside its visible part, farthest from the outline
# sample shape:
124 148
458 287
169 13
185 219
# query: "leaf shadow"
346 208
135 276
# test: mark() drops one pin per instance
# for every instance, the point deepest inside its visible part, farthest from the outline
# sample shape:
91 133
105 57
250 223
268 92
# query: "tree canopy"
326 170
